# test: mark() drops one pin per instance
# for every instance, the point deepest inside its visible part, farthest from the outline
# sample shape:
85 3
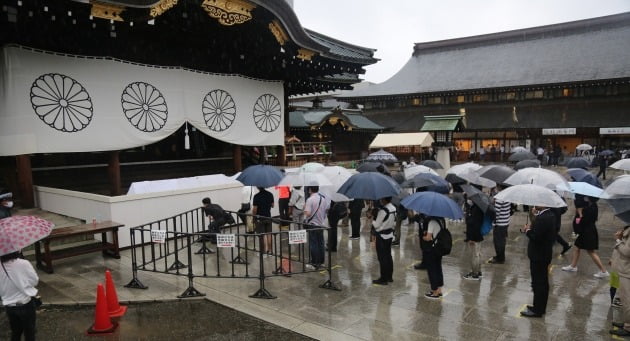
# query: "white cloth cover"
52 103
141 187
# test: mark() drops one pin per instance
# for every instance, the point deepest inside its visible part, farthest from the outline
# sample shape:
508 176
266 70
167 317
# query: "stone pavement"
579 305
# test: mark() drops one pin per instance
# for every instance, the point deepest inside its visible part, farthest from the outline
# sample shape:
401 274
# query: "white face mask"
8 204
469 202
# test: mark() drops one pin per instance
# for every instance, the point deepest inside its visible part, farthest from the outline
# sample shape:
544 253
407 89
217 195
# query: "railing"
183 231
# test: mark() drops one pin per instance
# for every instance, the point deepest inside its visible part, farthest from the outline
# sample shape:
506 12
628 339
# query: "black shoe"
529 313
420 266
495 260
565 249
396 242
618 324
390 280
380 281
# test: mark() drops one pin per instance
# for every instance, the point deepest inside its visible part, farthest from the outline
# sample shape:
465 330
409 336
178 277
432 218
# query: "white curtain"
51 103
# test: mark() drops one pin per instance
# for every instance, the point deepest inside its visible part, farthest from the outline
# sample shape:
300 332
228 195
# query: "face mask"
469 202
8 204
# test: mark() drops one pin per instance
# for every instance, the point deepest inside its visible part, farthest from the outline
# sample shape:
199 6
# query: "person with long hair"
588 239
17 287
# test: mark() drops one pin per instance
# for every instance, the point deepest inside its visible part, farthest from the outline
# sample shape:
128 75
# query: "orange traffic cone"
102 323
115 309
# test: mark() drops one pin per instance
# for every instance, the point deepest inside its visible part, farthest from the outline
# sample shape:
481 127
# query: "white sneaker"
310 267
570 268
602 274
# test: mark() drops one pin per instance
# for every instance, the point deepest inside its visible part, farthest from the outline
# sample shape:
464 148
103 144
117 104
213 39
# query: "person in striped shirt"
499 232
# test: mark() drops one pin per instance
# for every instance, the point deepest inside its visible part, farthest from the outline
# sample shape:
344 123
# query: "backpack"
443 241
486 226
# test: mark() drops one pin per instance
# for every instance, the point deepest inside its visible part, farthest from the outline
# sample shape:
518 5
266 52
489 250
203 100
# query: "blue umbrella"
433 204
369 186
583 188
581 175
260 176
578 162
606 152
440 185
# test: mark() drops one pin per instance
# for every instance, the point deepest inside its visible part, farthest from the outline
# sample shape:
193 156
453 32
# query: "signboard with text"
226 240
158 236
614 130
297 237
558 131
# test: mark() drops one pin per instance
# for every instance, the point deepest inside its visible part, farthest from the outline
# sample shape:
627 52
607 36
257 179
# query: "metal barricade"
160 247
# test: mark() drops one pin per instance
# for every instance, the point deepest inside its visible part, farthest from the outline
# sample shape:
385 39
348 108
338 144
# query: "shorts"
263 226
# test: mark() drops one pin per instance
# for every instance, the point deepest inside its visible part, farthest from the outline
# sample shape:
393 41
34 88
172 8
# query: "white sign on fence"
158 236
226 240
297 237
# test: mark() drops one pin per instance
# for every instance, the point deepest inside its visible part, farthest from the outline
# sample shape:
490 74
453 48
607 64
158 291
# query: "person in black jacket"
356 206
474 220
559 211
542 235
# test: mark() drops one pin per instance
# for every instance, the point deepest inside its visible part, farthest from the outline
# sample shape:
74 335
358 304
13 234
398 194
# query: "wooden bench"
44 260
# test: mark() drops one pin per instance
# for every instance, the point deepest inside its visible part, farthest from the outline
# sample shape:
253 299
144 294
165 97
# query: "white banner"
297 237
52 103
226 240
614 130
558 131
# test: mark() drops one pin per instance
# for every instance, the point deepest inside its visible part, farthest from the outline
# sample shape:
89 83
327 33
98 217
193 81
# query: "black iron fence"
182 245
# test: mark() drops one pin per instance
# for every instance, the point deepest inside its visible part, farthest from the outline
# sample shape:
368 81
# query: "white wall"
136 209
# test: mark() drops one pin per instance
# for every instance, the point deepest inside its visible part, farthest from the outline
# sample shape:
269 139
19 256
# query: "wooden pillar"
282 155
236 158
113 173
25 180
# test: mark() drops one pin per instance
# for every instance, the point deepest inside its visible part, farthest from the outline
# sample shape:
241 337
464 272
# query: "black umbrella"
478 197
432 164
454 179
621 208
520 156
527 164
369 186
498 174
398 177
260 176
606 152
371 167
578 162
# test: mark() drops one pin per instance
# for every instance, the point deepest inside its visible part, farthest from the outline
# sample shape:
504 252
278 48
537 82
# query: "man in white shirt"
384 234
247 194
315 209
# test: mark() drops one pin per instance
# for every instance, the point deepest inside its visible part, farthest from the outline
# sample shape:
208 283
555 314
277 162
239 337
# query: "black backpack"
443 242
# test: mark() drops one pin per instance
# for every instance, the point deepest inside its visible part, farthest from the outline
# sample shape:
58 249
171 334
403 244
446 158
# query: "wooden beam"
113 173
25 180
237 159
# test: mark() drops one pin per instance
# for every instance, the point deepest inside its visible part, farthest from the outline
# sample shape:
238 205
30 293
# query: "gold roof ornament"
229 12
305 54
276 29
106 11
161 7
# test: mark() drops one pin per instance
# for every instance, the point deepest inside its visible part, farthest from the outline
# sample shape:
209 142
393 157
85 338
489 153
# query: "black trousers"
561 241
283 207
540 284
384 255
22 321
355 222
433 262
333 222
499 236
602 171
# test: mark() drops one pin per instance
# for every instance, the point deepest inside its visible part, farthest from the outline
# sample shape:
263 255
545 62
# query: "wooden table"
44 261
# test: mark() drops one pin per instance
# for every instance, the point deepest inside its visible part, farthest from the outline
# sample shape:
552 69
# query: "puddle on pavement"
168 320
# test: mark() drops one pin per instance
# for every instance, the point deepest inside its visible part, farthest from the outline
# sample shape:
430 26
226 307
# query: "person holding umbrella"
314 216
603 164
620 261
588 238
503 212
541 235
474 220
383 231
432 257
17 287
6 203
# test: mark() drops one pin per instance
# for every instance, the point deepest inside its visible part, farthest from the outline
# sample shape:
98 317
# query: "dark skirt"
588 239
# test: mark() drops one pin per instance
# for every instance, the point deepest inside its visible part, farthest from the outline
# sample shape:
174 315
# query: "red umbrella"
18 232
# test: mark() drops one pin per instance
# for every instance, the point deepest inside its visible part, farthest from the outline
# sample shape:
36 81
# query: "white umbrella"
312 167
519 149
623 164
618 188
464 167
474 178
531 195
305 179
382 155
537 176
412 171
337 176
584 146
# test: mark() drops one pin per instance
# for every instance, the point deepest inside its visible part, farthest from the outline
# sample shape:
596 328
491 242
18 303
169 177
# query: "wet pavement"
579 305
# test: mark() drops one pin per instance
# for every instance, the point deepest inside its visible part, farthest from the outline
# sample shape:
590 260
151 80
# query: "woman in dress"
588 239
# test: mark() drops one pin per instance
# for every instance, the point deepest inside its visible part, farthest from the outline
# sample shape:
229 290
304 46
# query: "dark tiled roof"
344 50
593 49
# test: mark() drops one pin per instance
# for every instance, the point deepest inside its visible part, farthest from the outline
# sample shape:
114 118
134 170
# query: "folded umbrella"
433 204
260 176
532 195
527 164
18 232
497 173
369 186
520 156
578 162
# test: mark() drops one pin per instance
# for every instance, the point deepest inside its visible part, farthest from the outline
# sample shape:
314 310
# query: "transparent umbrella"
623 164
584 147
537 176
618 188
532 195
412 171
